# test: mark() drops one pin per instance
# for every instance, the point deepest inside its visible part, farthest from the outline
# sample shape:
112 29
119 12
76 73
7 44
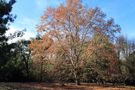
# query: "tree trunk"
77 79
26 66
41 72
62 84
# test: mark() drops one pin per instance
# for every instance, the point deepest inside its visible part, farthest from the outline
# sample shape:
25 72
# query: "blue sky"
29 11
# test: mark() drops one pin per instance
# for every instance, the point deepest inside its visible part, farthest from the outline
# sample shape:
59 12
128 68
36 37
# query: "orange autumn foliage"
67 33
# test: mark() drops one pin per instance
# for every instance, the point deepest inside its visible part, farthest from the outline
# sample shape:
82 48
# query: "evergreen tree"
5 19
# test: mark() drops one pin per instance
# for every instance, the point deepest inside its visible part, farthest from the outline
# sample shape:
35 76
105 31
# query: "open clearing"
45 86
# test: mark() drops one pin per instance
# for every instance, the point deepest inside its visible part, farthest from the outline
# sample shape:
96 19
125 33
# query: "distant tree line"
75 44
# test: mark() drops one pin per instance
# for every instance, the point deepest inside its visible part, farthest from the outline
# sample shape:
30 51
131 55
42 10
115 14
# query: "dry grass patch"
55 86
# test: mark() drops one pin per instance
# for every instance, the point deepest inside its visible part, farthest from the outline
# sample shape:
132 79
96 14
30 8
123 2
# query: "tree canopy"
67 33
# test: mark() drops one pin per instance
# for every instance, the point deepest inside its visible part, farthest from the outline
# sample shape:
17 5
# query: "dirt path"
44 86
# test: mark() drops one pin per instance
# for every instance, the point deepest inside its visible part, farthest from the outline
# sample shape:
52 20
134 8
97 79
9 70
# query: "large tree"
5 19
71 27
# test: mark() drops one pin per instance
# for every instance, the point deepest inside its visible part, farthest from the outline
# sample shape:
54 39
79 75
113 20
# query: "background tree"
40 56
129 63
22 50
102 61
17 68
125 50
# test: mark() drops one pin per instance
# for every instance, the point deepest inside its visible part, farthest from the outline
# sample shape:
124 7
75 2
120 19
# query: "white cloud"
27 34
21 24
11 31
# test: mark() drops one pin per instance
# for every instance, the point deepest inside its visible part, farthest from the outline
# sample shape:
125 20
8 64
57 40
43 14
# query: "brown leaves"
60 13
46 41
49 12
74 25
40 47
54 33
72 32
72 3
91 13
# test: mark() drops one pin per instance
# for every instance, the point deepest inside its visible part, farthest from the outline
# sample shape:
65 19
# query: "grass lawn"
45 86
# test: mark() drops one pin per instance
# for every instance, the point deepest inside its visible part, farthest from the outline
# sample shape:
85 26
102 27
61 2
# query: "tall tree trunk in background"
77 79
41 72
